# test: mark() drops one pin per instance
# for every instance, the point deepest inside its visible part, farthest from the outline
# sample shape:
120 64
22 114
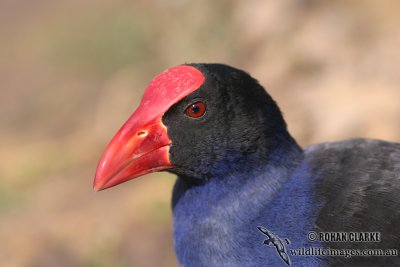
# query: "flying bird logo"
274 240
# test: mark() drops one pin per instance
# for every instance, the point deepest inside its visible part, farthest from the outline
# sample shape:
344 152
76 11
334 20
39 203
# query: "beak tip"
96 189
97 185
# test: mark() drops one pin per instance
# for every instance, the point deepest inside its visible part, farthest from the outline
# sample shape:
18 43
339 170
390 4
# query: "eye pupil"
196 110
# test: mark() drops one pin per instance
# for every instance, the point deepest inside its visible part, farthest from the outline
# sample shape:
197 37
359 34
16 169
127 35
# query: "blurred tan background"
71 72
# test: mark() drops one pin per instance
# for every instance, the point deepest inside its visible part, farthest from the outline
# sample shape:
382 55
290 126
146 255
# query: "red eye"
196 110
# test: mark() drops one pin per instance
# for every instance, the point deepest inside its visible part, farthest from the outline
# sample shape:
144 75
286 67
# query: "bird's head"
198 121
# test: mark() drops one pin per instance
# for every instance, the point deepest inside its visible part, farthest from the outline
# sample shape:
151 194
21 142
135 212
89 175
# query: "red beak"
142 144
133 152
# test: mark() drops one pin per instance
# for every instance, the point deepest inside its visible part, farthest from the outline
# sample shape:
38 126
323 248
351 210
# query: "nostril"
142 134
